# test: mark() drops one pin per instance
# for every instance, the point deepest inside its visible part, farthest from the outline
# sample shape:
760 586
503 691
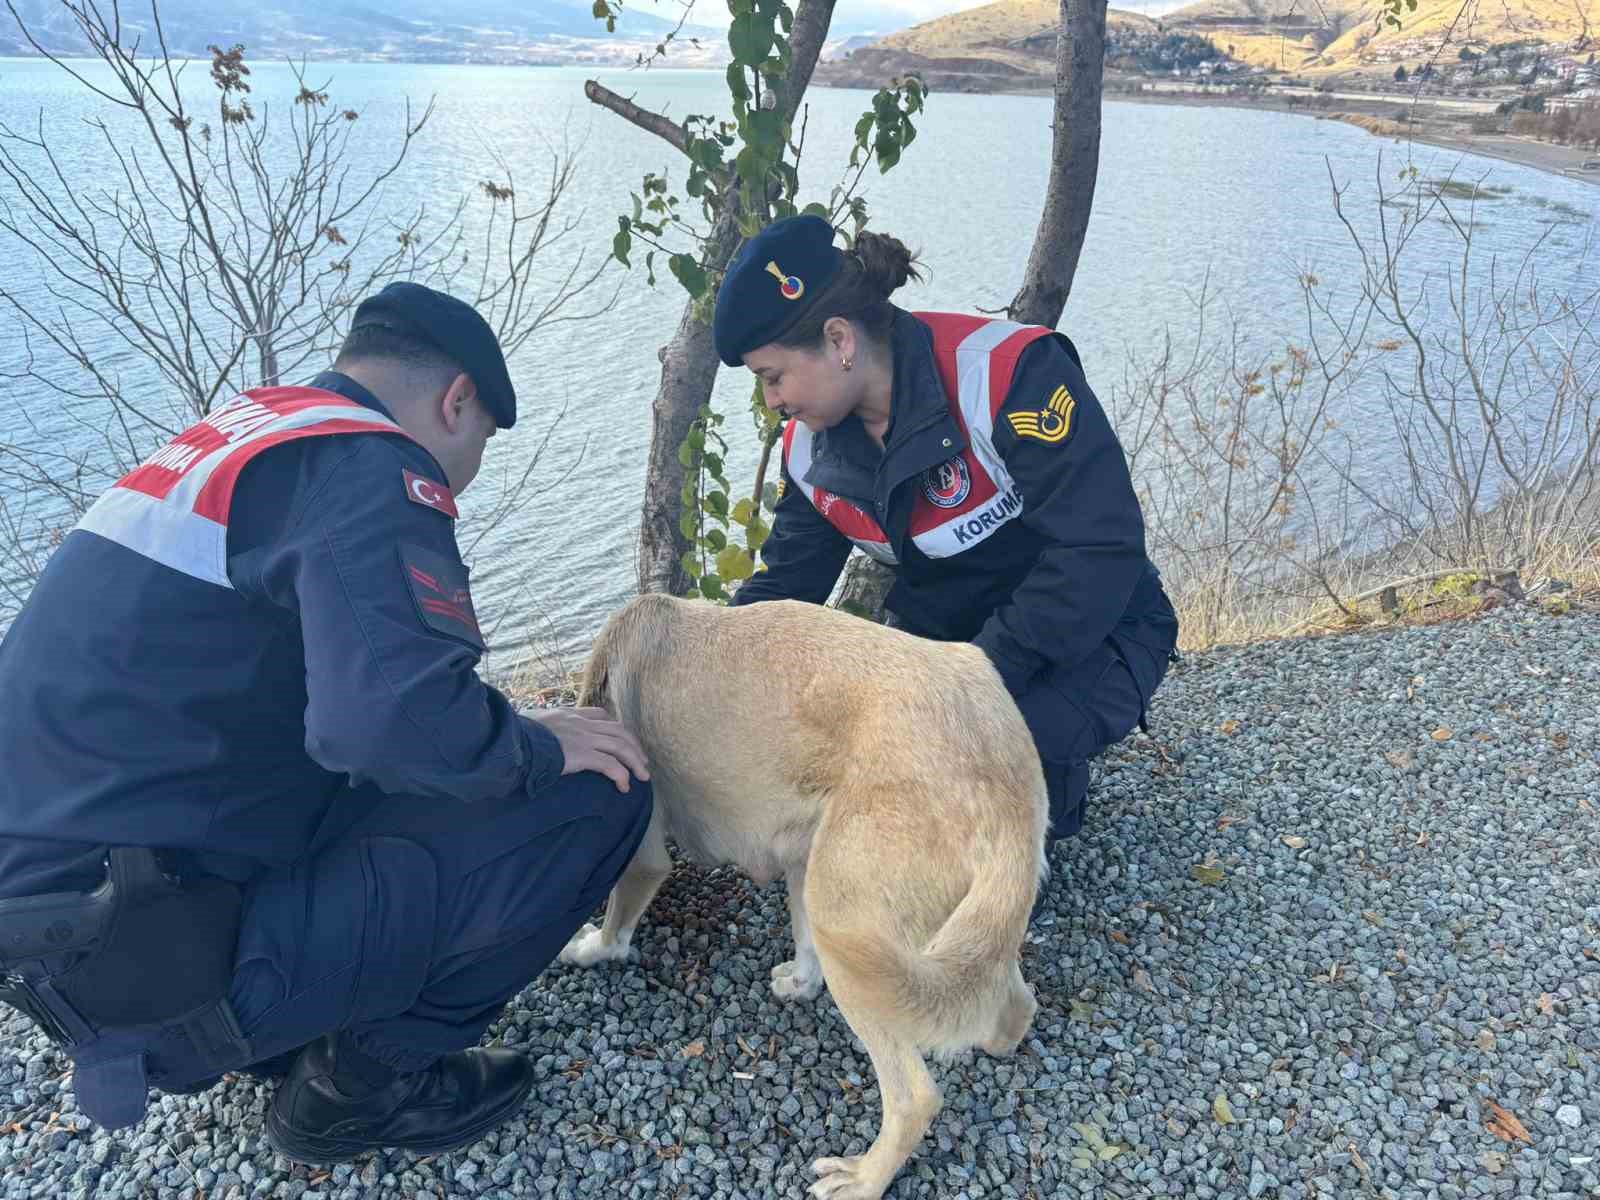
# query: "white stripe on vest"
849 519
153 509
965 500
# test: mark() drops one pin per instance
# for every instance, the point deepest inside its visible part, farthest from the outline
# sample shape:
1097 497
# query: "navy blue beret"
771 282
452 326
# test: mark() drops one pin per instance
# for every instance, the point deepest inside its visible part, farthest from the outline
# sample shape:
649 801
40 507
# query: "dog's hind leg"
1016 1014
801 977
910 1102
648 869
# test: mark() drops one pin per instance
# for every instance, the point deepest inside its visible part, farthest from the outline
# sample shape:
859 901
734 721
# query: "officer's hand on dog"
592 741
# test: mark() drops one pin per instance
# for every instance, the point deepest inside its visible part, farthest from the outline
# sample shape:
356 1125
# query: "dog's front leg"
800 978
650 865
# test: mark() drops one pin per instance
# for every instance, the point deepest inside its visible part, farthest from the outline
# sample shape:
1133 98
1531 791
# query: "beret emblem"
790 287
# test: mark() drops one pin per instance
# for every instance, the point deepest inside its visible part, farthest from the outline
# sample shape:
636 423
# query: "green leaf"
711 587
686 454
714 464
1210 876
816 210
750 39
753 164
756 534
737 87
766 126
716 541
687 271
620 245
769 496
686 525
735 563
697 437
717 503
690 563
742 511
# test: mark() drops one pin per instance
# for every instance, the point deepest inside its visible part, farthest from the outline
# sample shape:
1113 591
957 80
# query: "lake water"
1233 200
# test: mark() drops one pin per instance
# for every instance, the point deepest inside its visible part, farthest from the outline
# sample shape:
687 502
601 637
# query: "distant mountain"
485 31
838 48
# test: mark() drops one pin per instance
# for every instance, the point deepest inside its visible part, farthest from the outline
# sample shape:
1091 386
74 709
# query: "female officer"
970 455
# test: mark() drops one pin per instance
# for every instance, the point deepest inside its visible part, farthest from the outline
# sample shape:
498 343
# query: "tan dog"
888 779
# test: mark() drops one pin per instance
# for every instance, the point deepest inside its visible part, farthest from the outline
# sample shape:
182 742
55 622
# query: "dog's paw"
796 981
845 1179
587 947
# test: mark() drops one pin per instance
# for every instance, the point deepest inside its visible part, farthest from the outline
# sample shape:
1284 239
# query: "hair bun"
885 262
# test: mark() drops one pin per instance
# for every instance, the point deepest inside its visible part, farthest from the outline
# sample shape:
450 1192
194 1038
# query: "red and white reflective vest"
965 499
174 507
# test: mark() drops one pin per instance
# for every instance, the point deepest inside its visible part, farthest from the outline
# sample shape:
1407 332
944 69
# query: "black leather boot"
327 1111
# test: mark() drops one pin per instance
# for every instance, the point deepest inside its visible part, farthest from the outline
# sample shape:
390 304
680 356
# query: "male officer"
258 809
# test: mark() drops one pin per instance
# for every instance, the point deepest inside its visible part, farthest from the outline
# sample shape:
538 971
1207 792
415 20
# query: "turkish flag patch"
424 491
439 587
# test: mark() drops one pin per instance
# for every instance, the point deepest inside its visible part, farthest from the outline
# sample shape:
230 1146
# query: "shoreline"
1561 161
1430 128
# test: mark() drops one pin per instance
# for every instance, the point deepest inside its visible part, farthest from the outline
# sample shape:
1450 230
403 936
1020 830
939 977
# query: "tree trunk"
688 369
1074 165
689 362
866 585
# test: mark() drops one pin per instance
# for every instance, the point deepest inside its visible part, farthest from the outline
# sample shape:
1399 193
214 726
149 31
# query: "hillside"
1006 45
1011 44
1484 24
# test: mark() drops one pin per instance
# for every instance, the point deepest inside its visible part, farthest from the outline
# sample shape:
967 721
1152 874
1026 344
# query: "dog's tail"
972 953
993 913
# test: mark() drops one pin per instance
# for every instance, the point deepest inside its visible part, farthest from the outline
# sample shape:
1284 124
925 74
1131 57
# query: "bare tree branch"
204 253
668 130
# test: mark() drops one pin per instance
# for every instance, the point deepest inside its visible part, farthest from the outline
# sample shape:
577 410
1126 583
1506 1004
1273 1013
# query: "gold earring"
846 363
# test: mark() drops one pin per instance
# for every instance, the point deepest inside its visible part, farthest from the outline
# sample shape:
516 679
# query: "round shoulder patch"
947 484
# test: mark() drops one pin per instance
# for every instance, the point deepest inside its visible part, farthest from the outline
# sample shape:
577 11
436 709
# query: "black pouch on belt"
166 951
141 952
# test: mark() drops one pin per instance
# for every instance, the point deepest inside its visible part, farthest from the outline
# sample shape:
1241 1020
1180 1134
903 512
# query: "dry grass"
1210 617
1269 51
1377 126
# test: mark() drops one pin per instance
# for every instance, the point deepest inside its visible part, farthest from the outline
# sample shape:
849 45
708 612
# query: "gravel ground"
1334 930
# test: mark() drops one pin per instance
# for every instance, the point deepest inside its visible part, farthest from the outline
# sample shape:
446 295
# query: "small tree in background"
218 246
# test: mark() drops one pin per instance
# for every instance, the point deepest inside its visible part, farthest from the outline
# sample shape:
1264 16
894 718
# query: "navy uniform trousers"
413 923
1076 712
